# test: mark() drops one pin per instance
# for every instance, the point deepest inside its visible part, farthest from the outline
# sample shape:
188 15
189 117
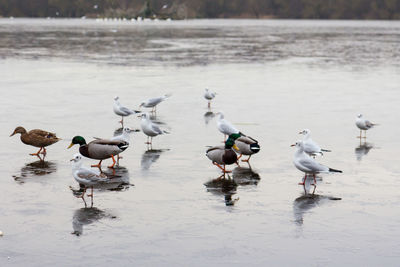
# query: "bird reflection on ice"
362 150
150 156
303 204
36 168
208 116
223 186
86 216
245 176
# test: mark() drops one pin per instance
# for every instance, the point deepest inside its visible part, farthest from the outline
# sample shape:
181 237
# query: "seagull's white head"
127 130
298 144
116 98
207 89
305 132
359 115
220 115
76 157
144 116
76 161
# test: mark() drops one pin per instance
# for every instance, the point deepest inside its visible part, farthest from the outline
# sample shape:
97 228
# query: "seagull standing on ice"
225 126
363 124
308 165
153 102
122 111
149 128
208 95
86 177
310 147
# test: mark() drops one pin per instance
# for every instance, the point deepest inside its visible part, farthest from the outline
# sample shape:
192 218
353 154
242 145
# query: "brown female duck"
37 138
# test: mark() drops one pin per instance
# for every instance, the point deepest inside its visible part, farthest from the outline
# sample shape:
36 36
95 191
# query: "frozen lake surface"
273 79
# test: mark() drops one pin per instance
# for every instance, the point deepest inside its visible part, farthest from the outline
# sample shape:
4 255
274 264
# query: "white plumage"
225 126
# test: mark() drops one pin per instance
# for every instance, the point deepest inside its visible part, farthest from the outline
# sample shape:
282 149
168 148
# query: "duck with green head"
247 146
224 155
99 149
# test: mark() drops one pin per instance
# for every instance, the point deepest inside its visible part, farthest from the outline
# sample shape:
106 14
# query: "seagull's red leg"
304 180
315 180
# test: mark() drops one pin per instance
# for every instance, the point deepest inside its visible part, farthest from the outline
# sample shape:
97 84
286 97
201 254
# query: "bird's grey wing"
214 148
154 101
247 140
312 165
311 146
126 110
368 124
107 142
156 129
227 127
87 174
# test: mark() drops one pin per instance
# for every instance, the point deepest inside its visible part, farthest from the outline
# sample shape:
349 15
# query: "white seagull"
86 177
208 95
153 102
363 124
122 111
149 128
225 126
124 136
310 147
308 165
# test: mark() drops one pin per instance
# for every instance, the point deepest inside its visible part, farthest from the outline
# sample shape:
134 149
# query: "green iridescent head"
78 140
230 142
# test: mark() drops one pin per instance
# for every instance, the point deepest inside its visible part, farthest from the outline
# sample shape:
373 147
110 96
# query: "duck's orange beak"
12 134
235 147
70 145
293 145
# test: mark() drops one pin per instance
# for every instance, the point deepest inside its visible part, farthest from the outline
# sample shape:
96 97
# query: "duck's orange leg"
112 166
37 153
97 165
44 152
246 160
222 168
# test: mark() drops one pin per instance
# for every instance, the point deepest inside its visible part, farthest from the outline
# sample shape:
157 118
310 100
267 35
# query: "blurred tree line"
297 9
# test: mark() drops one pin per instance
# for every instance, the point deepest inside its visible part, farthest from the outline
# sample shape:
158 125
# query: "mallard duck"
99 149
246 146
149 128
310 147
37 138
122 111
208 95
153 102
308 165
224 155
85 176
363 124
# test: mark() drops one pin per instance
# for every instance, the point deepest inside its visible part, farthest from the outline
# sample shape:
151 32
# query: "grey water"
166 207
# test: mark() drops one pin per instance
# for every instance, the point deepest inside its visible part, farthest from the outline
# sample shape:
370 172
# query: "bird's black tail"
333 170
326 150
